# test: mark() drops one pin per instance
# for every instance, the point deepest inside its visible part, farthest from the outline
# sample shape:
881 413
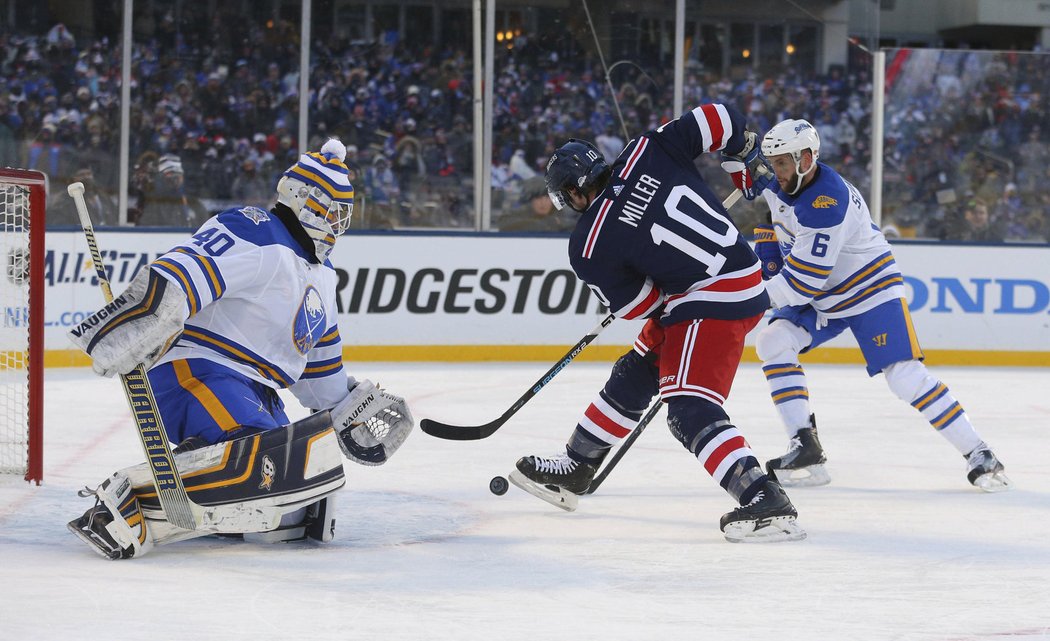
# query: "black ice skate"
769 516
558 480
803 465
985 471
91 528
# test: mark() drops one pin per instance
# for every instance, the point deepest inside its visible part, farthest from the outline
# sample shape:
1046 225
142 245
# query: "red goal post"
23 197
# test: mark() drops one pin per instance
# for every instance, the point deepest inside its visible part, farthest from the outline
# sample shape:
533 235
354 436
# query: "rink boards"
476 297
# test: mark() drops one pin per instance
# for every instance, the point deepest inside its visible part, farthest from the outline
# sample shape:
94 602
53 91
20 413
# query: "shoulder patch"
824 202
255 214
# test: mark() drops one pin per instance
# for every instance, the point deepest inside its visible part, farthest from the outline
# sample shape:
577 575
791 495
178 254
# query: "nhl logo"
18 266
269 471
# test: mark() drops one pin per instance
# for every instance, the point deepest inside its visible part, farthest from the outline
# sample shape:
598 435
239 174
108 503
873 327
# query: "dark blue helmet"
578 165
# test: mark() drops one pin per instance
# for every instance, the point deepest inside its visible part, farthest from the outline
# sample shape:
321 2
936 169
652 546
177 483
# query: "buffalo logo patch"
823 202
310 321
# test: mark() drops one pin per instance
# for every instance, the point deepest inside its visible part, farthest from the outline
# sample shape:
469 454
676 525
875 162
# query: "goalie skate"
91 528
986 472
803 464
769 517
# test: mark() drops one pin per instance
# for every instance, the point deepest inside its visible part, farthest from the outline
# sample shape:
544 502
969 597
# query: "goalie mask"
318 190
792 137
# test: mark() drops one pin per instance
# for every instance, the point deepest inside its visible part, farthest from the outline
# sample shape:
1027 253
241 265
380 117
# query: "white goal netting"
15 365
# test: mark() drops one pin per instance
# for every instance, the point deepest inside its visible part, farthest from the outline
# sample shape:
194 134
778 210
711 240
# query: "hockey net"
22 199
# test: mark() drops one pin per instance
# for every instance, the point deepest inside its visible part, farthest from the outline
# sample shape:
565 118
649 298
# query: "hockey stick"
178 508
477 432
626 445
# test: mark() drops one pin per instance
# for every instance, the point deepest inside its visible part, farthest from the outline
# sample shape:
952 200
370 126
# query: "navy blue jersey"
657 240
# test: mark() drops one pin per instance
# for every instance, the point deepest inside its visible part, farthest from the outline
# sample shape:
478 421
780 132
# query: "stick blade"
459 432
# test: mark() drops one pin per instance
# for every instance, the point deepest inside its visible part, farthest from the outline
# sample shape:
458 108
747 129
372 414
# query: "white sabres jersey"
835 258
258 305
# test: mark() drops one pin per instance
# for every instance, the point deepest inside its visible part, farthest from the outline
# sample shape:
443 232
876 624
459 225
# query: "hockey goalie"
243 308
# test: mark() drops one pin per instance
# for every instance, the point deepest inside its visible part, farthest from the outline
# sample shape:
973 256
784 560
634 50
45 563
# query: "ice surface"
900 546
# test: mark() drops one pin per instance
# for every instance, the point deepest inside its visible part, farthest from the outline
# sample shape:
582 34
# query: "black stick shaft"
476 432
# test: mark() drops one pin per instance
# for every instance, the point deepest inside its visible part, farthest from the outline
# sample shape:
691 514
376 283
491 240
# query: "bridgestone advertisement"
423 290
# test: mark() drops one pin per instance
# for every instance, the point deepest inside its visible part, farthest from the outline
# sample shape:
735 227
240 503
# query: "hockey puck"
498 485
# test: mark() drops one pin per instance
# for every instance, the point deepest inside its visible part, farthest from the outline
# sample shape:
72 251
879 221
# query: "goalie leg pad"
315 521
320 520
245 485
372 423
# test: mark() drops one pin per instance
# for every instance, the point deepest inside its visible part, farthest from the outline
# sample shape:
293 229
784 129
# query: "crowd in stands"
214 121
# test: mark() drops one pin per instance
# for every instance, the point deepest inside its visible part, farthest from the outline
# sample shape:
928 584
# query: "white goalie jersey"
835 258
241 272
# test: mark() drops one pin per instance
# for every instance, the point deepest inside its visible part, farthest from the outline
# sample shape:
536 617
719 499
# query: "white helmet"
792 137
318 190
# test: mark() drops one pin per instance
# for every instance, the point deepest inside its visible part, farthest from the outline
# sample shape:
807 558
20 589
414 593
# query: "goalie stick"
179 510
626 445
477 432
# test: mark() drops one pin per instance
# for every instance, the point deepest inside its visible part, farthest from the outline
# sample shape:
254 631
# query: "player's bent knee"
690 417
633 381
781 341
907 379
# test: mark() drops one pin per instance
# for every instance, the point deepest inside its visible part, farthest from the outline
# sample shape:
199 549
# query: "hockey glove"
748 169
768 250
136 328
371 423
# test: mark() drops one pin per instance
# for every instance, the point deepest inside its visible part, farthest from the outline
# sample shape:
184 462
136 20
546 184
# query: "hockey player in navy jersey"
653 241
829 269
242 309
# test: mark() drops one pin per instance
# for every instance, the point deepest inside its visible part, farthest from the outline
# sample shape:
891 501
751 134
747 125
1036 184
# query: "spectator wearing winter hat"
166 203
535 211
61 209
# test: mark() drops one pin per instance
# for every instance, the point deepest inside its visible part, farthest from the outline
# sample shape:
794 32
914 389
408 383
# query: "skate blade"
771 530
98 547
552 494
811 476
993 482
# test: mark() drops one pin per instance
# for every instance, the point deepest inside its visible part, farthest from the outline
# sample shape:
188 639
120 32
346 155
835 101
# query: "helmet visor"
559 199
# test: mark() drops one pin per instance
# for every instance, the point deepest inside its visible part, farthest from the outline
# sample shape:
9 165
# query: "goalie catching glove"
135 328
749 169
371 423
